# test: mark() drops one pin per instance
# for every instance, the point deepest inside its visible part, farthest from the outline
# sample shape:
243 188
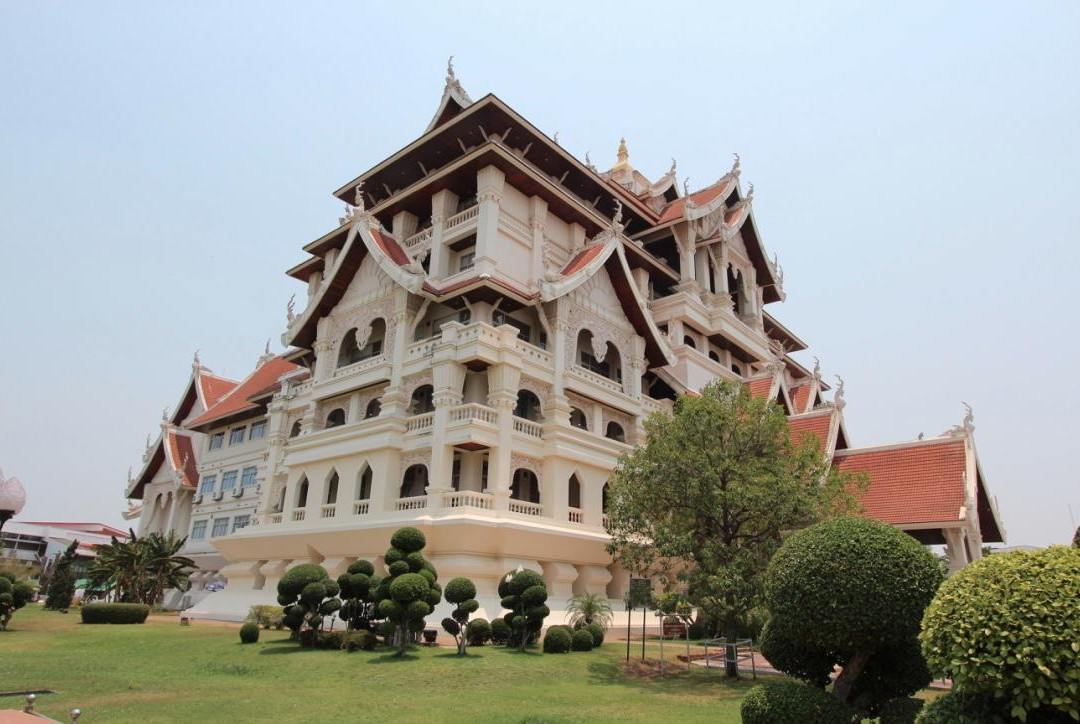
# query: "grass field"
160 671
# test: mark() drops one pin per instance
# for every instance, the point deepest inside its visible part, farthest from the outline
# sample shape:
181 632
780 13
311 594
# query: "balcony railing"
328 511
473 412
524 507
595 379
463 218
273 519
418 502
418 241
534 354
420 423
360 366
361 507
469 499
299 514
576 515
528 427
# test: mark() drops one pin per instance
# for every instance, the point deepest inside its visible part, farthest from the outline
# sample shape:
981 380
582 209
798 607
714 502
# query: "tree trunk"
848 675
731 631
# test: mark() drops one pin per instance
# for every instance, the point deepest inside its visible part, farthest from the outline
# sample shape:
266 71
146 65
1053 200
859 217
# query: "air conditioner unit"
218 494
197 498
238 492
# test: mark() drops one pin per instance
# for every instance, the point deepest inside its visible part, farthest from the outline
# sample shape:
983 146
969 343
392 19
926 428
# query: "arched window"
734 285
331 489
714 356
736 369
689 341
528 406
414 482
351 351
374 409
573 492
301 494
363 484
525 486
336 418
422 400
615 432
295 431
578 419
604 498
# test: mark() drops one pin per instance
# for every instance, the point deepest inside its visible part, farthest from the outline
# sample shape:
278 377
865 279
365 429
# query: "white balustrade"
420 424
473 412
420 349
595 379
576 515
328 511
416 503
360 366
299 514
469 499
361 507
273 519
528 427
418 240
464 217
524 507
534 354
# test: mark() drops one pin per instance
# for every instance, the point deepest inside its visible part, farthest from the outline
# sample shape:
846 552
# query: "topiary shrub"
850 591
479 632
249 633
410 592
308 595
901 711
558 640
14 594
62 581
788 702
114 612
597 632
582 640
359 640
461 592
524 593
500 632
1007 627
358 585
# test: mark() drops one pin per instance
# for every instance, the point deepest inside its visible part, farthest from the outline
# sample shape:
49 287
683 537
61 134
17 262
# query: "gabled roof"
203 386
237 403
818 424
921 483
173 448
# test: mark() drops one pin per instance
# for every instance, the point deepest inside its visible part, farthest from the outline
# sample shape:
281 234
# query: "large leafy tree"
708 496
62 581
140 570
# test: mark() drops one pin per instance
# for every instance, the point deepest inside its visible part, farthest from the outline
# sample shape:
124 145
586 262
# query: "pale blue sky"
915 166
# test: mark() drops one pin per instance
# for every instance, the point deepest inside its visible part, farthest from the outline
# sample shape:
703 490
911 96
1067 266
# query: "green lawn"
160 671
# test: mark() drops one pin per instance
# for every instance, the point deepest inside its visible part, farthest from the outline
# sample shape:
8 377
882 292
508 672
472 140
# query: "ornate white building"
485 331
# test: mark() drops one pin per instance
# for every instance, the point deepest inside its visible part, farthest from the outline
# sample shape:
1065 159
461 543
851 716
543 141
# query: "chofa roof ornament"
966 427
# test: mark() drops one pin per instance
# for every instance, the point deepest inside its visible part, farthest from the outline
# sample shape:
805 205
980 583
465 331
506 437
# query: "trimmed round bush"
114 612
295 580
249 633
408 540
1008 626
787 702
409 587
359 640
459 589
479 632
500 631
597 632
398 568
852 584
582 640
558 640
361 566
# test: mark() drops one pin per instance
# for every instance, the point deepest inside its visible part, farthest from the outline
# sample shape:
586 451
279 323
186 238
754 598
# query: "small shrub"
359 640
114 612
330 640
582 640
266 616
786 702
479 632
249 633
500 632
558 639
597 632
1007 627
698 629
902 710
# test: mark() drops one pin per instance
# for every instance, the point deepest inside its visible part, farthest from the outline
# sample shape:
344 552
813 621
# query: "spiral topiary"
1007 628
411 590
461 592
308 595
524 593
849 591
358 585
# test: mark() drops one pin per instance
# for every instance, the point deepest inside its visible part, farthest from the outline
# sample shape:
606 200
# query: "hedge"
1007 627
114 613
787 702
249 633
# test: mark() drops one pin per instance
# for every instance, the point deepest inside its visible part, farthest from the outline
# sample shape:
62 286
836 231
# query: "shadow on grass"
676 679
469 655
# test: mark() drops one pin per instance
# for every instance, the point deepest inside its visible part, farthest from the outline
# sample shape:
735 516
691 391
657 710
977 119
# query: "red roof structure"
238 402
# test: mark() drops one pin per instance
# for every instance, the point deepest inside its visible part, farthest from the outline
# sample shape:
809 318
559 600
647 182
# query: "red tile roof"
920 483
182 453
760 387
390 247
674 210
800 397
582 259
238 400
816 425
214 387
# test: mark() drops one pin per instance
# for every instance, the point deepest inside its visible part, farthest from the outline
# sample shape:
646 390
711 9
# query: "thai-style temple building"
484 331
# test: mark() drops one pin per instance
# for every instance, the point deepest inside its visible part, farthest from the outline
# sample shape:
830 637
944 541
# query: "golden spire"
623 157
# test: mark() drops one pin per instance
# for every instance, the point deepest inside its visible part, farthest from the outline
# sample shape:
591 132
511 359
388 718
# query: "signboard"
640 592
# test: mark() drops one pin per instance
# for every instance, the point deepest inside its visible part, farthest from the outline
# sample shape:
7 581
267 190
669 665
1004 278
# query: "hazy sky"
916 169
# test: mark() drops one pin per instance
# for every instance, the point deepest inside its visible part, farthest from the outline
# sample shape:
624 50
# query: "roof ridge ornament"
290 309
734 172
838 396
589 164
622 156
966 427
452 83
686 188
616 220
817 370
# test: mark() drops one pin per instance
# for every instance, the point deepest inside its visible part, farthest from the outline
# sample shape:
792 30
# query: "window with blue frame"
258 430
198 530
228 481
248 478
206 487
237 435
221 527
216 440
240 521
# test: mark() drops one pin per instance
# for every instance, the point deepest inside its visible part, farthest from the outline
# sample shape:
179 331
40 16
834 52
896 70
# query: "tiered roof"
241 402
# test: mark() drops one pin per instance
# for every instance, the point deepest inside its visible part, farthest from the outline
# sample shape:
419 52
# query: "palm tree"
139 570
589 608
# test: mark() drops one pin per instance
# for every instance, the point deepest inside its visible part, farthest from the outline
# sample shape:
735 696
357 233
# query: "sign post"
639 594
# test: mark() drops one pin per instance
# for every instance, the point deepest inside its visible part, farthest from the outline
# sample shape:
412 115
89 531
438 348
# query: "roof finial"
616 219
555 138
735 166
290 309
838 397
671 171
622 156
588 162
165 415
967 426
750 194
358 201
450 78
817 369
686 186
195 361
